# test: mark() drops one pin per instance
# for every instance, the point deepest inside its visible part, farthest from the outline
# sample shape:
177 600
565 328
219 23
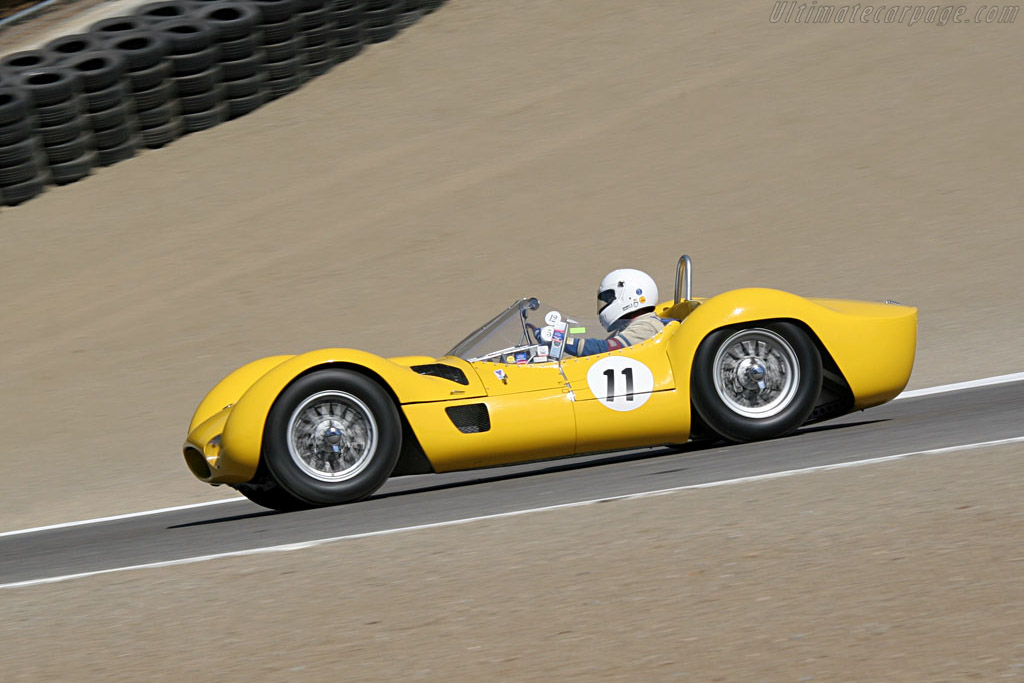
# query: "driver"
625 305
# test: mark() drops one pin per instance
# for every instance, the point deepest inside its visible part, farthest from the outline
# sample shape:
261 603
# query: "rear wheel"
752 383
333 436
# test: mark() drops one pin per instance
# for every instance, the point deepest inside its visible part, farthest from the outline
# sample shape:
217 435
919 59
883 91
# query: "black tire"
348 35
14 105
279 87
50 85
407 18
728 363
67 47
18 173
16 131
316 37
343 53
277 52
371 408
59 114
349 18
157 116
240 48
243 68
28 59
186 35
64 152
386 15
22 192
280 31
266 492
60 133
141 49
76 169
155 75
274 11
203 120
196 84
97 71
286 68
230 20
19 152
112 138
380 34
164 10
319 68
111 156
193 104
105 99
156 96
110 118
244 87
313 19
158 136
317 54
184 65
240 106
108 29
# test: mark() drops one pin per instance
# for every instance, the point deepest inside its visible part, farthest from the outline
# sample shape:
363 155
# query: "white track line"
960 386
468 520
945 388
114 518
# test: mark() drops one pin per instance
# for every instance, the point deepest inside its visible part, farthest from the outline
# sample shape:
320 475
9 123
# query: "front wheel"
333 436
752 383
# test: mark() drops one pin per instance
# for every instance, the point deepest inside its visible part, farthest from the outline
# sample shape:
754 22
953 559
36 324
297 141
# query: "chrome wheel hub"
756 373
332 436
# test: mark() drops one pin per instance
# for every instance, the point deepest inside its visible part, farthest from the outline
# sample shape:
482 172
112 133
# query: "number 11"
610 374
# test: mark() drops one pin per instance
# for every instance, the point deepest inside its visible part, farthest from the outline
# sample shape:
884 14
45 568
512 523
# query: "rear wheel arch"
833 374
794 342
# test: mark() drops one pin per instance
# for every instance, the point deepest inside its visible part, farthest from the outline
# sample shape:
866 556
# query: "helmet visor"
604 299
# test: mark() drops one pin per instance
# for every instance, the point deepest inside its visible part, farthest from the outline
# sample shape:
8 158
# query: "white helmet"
624 291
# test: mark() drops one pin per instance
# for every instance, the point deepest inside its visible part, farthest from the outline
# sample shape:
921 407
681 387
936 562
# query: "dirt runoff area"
509 147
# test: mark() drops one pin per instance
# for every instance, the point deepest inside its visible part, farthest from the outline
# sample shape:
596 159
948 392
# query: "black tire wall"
171 68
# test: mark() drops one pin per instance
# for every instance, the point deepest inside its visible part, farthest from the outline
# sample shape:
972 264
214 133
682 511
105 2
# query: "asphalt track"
908 426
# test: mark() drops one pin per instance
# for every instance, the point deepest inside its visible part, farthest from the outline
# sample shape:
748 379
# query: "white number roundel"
620 383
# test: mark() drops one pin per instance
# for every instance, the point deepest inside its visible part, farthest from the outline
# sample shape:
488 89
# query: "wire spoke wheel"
332 436
756 373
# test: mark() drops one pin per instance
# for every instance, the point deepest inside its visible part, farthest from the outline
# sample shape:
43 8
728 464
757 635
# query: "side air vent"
471 419
443 371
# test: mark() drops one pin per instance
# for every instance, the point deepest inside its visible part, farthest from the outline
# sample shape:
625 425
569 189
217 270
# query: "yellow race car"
331 426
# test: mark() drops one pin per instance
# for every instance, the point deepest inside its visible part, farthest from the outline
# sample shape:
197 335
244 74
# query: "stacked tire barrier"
106 106
18 145
381 18
171 68
346 17
283 71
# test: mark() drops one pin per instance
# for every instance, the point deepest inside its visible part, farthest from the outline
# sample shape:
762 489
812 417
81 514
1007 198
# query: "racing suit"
632 331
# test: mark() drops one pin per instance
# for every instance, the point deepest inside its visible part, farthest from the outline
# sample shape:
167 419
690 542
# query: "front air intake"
470 419
443 371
